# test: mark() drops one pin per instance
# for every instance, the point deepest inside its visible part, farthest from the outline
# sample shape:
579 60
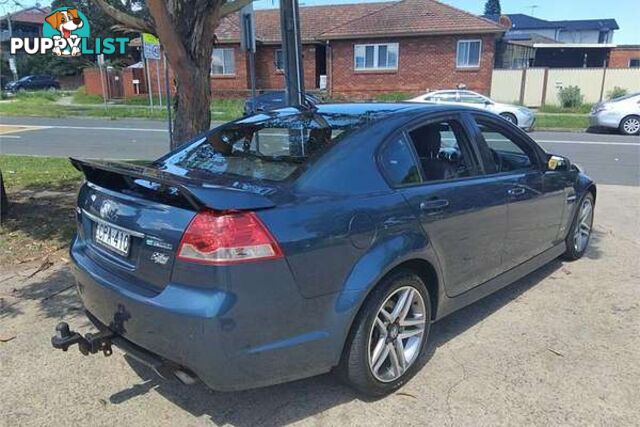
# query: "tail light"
226 238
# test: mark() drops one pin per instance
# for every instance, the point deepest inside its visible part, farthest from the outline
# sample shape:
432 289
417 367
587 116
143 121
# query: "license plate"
113 238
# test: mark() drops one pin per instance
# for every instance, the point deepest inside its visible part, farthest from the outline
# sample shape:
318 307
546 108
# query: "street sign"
150 46
248 28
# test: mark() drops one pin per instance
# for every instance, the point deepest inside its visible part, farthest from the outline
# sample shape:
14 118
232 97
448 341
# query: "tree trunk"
186 31
192 99
4 200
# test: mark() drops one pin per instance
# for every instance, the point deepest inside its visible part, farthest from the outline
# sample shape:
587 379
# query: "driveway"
608 158
559 347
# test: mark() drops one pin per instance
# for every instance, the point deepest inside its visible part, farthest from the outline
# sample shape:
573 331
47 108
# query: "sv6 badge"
159 258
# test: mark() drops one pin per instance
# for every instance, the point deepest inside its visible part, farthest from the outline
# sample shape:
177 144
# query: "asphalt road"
608 158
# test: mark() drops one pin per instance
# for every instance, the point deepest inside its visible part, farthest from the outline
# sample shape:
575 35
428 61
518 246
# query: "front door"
462 212
535 200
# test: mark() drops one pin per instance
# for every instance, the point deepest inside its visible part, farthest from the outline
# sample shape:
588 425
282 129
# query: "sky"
625 12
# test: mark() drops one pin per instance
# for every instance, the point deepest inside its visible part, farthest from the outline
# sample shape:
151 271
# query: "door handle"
516 191
433 205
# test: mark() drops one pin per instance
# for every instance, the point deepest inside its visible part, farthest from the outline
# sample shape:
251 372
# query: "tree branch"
233 6
125 19
173 45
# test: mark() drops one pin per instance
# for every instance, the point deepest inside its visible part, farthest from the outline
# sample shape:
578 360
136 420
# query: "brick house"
625 56
364 49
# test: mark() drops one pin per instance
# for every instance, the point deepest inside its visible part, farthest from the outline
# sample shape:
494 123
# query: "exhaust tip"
185 377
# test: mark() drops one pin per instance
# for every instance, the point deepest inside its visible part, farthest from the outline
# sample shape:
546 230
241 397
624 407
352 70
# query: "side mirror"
487 102
558 163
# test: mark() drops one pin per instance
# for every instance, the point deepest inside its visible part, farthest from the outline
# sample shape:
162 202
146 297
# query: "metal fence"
534 87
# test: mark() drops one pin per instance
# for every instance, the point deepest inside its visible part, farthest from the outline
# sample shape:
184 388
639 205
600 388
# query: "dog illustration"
66 22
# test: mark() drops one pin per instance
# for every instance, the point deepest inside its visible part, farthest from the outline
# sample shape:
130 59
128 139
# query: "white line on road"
90 128
164 130
587 142
10 136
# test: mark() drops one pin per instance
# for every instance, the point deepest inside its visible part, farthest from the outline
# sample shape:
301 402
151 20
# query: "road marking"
93 128
10 137
31 127
588 142
5 129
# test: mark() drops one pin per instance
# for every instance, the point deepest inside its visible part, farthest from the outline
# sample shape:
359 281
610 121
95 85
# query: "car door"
473 100
462 213
536 198
36 83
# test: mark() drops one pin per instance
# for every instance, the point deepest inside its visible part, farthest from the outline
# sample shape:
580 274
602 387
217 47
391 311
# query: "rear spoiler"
198 193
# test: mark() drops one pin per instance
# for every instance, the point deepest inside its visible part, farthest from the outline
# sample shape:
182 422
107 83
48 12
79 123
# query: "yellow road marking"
4 129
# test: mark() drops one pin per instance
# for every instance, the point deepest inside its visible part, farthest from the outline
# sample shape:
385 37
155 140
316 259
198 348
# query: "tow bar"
88 344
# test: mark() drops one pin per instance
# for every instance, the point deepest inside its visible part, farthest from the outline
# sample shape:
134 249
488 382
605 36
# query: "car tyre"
630 125
355 368
510 118
577 240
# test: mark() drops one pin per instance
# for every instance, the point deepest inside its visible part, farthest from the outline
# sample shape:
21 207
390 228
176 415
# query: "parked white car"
619 113
519 116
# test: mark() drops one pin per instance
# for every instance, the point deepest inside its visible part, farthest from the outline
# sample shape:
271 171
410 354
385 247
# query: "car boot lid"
198 192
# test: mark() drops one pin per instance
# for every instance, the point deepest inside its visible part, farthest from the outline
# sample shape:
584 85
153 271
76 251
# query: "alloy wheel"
631 126
397 333
583 226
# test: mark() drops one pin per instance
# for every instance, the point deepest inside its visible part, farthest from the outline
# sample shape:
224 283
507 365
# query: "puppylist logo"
66 32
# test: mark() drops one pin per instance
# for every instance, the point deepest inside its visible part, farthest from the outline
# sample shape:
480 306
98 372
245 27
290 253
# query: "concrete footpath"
560 347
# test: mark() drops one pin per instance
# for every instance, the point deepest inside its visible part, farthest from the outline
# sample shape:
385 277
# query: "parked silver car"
519 116
621 113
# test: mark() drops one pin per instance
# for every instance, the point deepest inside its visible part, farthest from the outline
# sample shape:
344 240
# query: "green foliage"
38 96
570 96
556 109
561 121
616 92
492 7
22 171
43 104
50 64
80 97
393 96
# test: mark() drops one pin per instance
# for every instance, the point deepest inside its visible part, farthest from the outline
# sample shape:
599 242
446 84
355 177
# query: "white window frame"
225 72
275 59
376 66
458 65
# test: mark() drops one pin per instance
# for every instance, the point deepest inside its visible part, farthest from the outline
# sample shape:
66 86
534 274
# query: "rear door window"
398 163
443 151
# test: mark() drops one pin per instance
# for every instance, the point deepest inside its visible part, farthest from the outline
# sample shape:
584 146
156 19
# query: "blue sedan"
300 241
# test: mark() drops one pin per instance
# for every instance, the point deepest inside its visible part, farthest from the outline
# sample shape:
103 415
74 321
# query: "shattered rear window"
268 146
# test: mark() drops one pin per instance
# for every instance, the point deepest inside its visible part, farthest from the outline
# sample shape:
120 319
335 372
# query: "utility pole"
292 51
12 58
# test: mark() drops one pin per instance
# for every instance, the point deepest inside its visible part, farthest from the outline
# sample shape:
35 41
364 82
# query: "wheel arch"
421 267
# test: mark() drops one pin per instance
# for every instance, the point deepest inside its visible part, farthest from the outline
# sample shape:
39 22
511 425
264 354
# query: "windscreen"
264 146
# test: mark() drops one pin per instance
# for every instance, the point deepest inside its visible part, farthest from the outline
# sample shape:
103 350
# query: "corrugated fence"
534 87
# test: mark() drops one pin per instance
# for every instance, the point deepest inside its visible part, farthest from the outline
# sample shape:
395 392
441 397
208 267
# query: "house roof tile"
32 15
406 17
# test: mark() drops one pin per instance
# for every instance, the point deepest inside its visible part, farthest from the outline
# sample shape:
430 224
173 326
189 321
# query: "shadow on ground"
287 403
54 294
38 221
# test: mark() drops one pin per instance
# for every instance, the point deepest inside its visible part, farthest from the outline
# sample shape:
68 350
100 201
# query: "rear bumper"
232 339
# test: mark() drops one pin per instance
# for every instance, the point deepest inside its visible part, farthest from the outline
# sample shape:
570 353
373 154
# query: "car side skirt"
450 305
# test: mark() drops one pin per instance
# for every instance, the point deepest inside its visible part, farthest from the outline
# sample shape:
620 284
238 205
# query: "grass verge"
561 121
41 194
43 104
555 109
